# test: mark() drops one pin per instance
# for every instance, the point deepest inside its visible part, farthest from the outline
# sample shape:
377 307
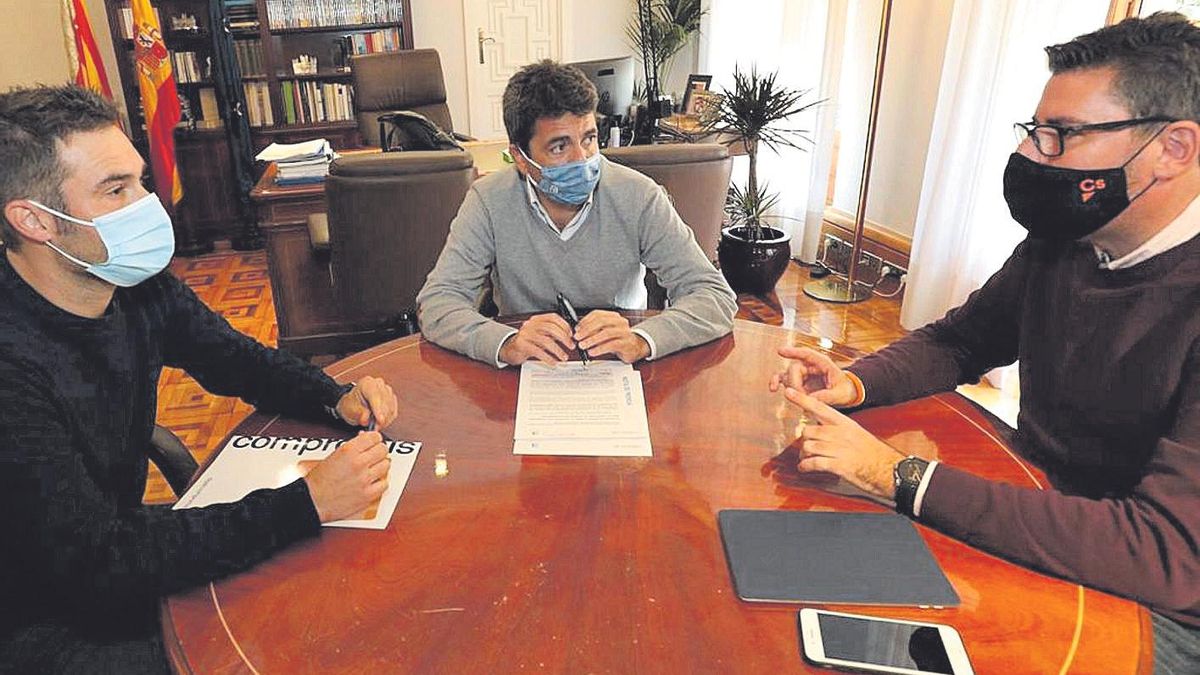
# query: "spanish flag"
160 103
83 50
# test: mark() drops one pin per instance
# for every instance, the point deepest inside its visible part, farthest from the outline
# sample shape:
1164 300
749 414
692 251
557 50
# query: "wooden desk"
310 320
570 565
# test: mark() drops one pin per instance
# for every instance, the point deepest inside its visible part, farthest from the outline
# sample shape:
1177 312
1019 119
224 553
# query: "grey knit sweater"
631 226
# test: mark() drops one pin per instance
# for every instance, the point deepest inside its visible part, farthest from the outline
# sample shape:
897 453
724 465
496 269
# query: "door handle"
482 40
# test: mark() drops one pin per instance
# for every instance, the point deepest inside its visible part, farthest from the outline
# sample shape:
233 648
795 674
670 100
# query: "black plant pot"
753 266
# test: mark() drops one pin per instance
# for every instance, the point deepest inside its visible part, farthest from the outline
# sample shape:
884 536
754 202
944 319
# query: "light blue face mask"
570 183
139 239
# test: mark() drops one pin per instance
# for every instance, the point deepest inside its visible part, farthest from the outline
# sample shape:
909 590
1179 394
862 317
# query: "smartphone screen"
884 643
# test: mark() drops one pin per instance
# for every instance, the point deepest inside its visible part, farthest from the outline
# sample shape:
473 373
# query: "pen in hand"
567 312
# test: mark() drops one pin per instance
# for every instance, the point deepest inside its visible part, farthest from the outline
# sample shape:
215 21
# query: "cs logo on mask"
1088 187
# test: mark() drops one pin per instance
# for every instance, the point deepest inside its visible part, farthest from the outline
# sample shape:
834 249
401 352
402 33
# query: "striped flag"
83 50
160 102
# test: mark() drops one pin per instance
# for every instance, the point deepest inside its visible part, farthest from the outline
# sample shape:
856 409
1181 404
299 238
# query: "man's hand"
370 397
603 332
816 375
836 444
351 478
544 337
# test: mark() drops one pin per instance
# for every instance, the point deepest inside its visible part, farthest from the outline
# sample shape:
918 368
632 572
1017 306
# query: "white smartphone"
874 645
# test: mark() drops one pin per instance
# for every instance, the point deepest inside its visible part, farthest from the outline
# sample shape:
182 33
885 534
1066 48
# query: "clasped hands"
548 338
830 441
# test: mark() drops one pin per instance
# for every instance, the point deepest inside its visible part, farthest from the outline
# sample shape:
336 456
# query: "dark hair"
34 121
1157 63
544 89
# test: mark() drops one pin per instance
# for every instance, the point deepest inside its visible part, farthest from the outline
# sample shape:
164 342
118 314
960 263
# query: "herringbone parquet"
236 285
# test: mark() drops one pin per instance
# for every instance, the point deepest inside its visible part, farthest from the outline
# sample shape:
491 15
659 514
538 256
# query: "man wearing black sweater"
89 320
1099 305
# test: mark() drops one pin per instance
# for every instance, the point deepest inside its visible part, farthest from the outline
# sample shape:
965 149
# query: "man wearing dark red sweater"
89 320
1099 305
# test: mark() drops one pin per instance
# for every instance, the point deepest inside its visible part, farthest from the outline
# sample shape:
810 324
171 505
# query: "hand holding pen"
567 311
371 403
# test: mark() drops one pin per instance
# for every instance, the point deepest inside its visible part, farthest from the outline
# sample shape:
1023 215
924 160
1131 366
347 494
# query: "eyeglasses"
1050 139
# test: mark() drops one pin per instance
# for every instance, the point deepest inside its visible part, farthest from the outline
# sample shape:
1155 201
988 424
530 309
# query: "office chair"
389 215
696 176
172 458
409 79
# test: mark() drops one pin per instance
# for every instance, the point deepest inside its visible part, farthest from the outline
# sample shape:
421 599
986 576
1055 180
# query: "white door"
501 36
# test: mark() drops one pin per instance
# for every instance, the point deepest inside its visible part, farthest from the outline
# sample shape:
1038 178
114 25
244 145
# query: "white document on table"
249 463
596 410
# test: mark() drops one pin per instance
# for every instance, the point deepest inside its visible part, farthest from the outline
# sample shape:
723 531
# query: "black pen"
567 312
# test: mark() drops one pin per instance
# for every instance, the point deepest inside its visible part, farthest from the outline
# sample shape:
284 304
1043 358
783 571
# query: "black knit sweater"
1110 409
77 407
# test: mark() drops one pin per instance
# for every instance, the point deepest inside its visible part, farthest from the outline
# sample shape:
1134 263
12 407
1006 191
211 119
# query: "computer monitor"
614 83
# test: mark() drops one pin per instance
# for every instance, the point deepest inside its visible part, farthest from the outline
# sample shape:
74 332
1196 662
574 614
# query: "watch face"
911 470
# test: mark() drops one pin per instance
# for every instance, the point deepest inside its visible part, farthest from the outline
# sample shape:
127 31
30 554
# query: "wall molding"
878 239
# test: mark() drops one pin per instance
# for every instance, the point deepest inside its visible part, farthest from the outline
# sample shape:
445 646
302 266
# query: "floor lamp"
837 289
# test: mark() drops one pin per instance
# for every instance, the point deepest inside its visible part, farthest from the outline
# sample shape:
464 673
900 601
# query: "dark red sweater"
1110 410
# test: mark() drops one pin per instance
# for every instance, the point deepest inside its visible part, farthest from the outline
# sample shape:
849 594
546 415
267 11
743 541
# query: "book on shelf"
249 57
187 68
258 104
127 21
310 101
283 14
210 113
373 42
242 15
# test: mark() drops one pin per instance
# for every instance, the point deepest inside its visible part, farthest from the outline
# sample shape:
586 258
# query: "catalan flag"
160 102
83 50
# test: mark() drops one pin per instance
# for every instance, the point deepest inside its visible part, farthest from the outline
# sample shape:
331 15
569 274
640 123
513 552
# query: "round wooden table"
510 564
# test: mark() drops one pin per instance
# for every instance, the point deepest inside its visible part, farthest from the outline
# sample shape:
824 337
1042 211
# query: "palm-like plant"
671 26
752 112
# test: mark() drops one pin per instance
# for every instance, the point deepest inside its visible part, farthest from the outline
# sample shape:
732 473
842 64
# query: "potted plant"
672 24
752 254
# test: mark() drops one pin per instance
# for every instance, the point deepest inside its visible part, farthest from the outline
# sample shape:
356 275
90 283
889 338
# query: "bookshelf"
305 105
267 35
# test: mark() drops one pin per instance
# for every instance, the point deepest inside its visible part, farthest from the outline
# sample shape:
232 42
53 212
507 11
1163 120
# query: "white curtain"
993 75
788 36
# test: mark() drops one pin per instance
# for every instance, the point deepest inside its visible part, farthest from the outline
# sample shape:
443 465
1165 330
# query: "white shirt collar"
572 227
1181 230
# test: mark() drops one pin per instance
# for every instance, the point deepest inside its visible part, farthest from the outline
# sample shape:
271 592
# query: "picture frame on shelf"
695 84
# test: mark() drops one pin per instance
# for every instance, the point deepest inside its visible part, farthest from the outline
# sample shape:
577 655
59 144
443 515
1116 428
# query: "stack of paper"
571 408
249 463
299 163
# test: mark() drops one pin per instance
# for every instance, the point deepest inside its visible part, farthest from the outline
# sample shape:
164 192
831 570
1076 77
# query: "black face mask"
1065 204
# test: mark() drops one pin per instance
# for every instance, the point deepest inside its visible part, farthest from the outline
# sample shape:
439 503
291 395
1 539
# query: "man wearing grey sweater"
565 220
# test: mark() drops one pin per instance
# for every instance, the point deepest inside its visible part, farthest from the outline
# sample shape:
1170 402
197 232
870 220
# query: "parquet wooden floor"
236 285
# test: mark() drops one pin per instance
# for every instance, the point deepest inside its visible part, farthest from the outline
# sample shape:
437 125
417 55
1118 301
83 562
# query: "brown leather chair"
696 176
389 215
409 79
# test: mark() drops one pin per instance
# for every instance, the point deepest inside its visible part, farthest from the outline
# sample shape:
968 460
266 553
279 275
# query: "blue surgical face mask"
139 239
570 183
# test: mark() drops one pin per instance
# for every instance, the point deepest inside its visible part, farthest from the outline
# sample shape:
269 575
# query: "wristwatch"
907 476
343 389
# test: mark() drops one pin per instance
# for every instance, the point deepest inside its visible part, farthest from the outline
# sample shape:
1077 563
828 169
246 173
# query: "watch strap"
908 473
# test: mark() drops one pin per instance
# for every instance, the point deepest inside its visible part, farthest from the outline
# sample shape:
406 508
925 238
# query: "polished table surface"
512 564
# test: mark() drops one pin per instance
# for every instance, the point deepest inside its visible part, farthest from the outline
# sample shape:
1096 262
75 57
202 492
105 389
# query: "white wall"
912 71
591 29
33 42
439 24
33 48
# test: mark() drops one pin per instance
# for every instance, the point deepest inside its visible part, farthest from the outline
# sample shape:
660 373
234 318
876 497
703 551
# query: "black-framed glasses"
1050 139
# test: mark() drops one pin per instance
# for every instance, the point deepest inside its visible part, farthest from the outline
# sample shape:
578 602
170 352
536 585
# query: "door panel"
504 35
